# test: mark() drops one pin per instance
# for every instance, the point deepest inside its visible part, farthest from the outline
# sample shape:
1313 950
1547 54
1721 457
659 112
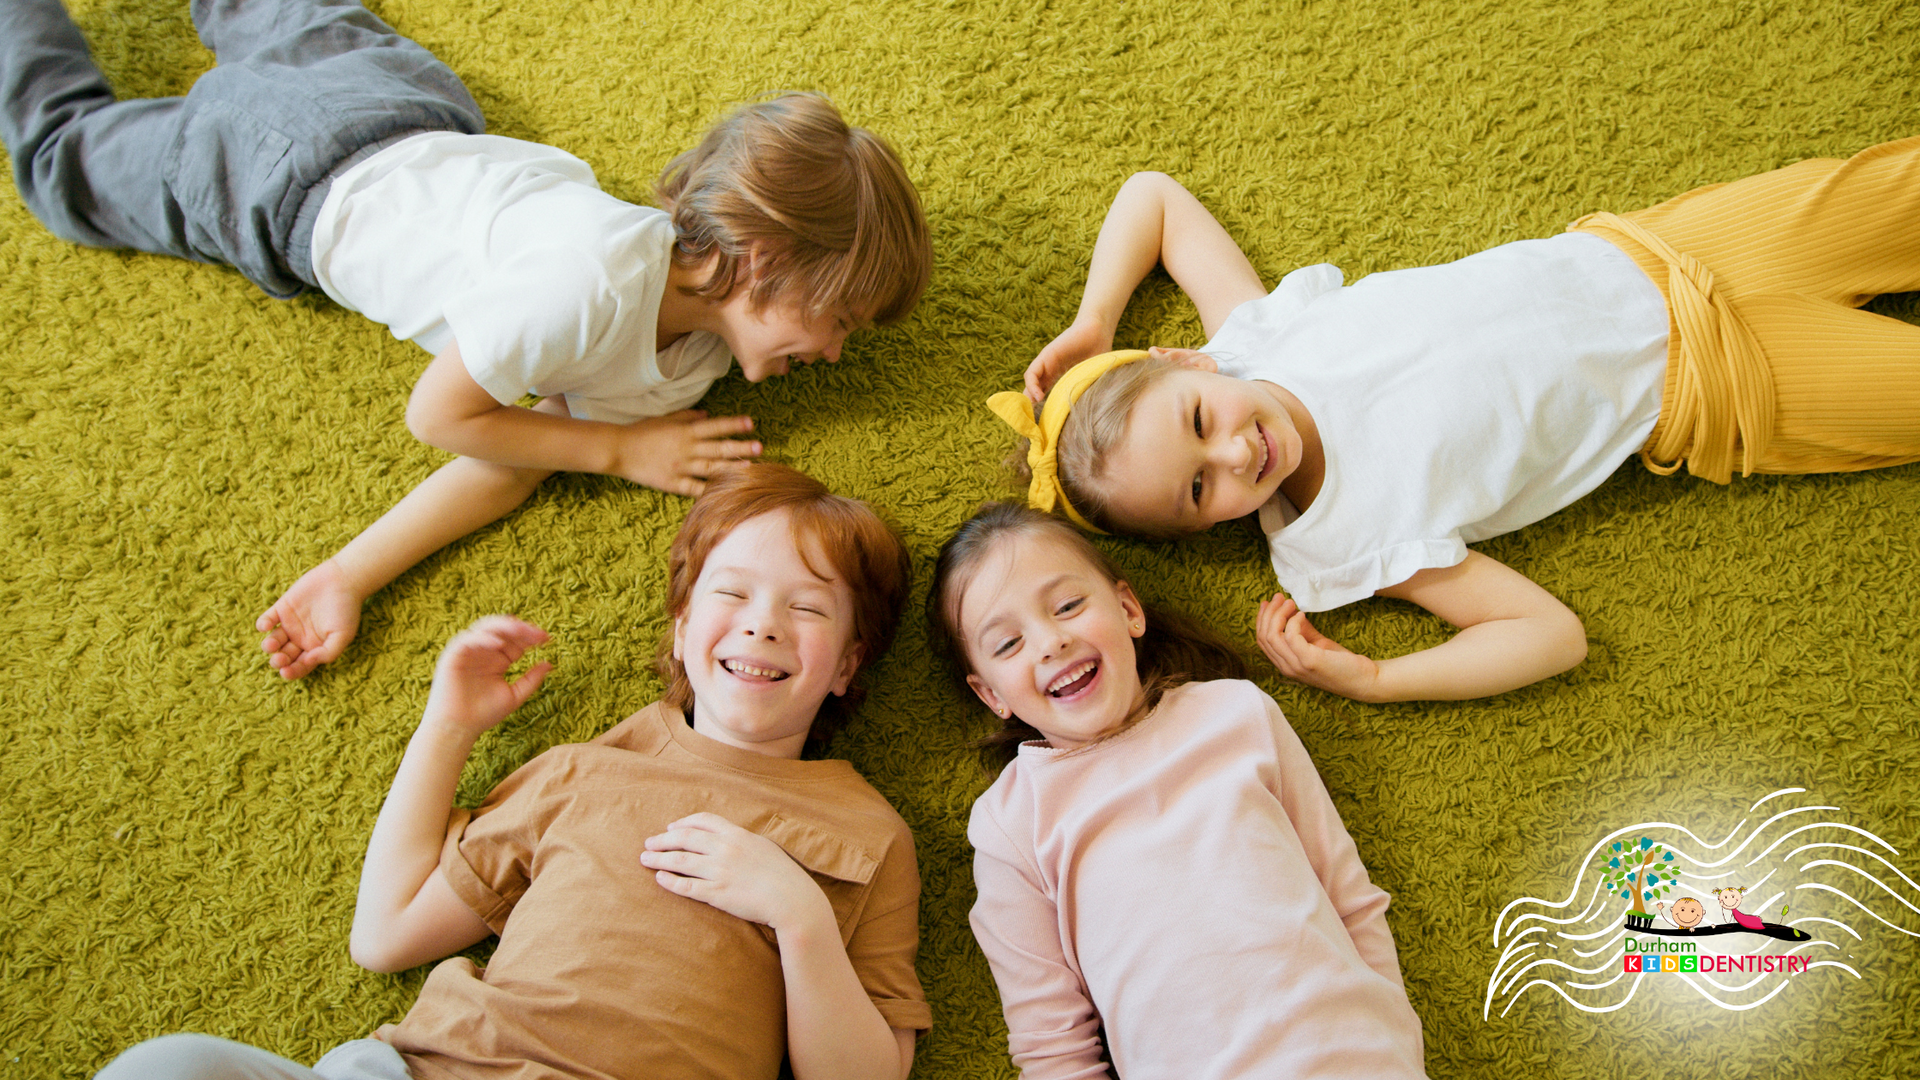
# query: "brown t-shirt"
601 972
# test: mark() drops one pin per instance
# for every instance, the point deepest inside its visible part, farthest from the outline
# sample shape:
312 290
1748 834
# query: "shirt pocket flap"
820 851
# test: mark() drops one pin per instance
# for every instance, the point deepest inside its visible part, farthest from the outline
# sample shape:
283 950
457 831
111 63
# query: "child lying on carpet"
672 898
326 151
1165 889
1377 430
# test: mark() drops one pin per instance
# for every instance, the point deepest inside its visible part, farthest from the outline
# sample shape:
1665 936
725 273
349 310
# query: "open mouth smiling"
1074 679
1267 454
753 671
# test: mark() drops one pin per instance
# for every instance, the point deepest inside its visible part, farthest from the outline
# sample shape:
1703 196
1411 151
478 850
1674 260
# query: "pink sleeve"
1361 904
1052 1029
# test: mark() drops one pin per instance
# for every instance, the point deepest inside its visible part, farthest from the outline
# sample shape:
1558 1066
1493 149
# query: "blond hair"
1094 429
785 198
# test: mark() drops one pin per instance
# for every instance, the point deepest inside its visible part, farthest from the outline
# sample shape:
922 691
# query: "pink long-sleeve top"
1182 900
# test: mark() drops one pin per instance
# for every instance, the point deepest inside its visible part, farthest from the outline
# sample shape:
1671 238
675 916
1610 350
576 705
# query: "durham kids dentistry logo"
1792 892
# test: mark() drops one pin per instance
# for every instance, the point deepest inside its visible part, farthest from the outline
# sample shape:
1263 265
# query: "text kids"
1378 429
682 896
1165 888
325 151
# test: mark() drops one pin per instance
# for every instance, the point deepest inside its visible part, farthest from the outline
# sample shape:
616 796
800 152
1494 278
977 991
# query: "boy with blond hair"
326 151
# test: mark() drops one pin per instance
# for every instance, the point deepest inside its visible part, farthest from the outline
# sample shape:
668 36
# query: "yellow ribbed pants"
1771 367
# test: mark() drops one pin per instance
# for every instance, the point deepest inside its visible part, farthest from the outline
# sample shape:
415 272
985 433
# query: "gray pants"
221 174
203 1057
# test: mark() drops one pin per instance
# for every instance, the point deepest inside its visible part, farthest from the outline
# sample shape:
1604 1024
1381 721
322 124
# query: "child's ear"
1129 603
849 667
987 697
679 637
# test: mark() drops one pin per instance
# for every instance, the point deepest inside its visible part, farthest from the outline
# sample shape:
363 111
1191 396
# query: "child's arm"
319 614
833 1027
1330 850
1153 221
407 913
1053 1030
671 453
1512 633
312 622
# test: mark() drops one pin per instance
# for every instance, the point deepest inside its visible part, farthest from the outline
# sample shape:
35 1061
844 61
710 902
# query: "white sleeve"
533 323
1361 905
1053 1031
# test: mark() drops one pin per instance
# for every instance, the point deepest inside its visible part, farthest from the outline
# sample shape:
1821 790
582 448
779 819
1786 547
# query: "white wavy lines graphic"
1573 947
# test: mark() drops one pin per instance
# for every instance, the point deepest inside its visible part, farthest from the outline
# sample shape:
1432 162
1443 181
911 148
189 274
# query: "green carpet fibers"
183 831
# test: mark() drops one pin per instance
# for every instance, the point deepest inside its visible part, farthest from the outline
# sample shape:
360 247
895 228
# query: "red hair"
860 548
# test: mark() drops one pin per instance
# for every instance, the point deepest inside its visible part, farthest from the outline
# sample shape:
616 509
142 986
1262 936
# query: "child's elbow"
375 953
1148 180
1568 641
423 421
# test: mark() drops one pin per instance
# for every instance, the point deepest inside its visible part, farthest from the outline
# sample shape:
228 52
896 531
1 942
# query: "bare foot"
312 622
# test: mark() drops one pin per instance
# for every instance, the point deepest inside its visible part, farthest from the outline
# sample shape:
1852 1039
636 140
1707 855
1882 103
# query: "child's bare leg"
313 620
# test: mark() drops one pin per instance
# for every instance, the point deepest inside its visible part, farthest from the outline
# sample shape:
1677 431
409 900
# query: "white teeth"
740 667
1067 677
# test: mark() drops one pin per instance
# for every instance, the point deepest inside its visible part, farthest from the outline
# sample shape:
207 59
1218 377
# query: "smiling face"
764 638
770 340
1201 448
1687 912
1730 898
1050 638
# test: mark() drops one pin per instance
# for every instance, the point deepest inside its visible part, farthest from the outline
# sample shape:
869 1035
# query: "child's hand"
470 692
312 621
1077 342
678 453
707 858
1306 655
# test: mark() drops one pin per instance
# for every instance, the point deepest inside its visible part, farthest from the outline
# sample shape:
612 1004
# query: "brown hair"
825 211
861 548
1094 429
1174 650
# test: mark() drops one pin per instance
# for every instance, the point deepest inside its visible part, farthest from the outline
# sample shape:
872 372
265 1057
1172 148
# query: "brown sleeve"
488 854
885 943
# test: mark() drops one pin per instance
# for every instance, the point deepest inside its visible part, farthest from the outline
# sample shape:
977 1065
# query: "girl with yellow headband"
1378 429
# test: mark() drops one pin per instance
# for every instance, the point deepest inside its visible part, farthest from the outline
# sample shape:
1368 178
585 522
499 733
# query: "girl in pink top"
1165 889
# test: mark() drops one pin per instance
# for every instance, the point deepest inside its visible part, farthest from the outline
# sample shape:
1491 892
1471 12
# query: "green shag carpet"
183 832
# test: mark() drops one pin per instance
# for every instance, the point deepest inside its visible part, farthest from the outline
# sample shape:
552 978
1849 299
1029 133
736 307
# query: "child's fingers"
721 426
722 449
529 682
673 860
704 821
299 663
687 834
504 628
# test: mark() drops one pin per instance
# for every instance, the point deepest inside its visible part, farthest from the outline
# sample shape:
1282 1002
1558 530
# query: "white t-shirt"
1454 402
550 285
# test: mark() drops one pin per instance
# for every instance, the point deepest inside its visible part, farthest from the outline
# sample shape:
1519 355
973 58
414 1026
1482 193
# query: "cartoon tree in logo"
1638 872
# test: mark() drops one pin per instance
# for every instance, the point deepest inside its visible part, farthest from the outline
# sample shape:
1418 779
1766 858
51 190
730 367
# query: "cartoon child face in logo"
1730 897
1686 913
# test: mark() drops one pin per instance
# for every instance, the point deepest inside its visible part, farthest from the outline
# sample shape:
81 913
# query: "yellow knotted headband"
1043 435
